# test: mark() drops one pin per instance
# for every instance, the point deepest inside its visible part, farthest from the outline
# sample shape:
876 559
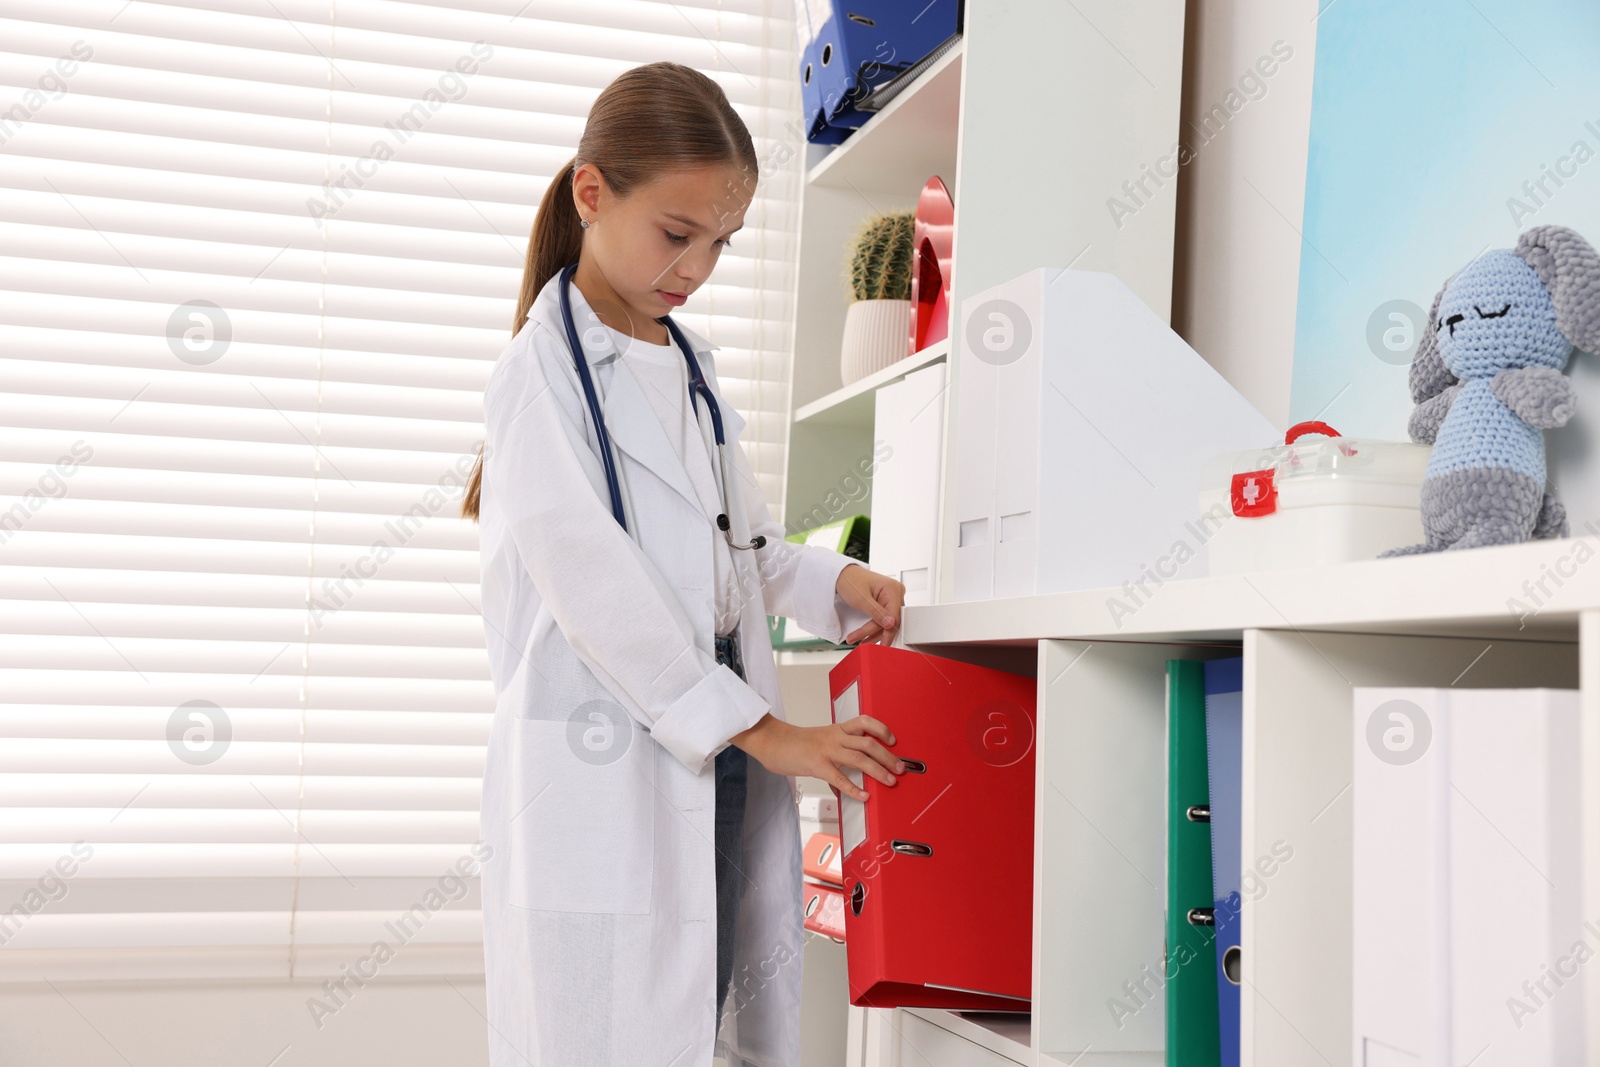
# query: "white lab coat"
599 893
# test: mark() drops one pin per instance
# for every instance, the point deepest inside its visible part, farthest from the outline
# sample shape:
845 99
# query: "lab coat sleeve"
610 601
797 581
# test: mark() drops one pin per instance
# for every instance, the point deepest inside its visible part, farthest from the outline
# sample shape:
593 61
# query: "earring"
583 223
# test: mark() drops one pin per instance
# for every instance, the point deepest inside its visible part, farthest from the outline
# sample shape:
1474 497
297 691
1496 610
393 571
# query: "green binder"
1193 1038
849 536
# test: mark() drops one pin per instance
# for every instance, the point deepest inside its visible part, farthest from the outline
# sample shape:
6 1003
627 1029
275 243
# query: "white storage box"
1312 500
905 487
1081 429
1466 856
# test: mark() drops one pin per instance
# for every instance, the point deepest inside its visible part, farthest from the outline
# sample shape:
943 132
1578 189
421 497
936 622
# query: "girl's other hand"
877 595
824 751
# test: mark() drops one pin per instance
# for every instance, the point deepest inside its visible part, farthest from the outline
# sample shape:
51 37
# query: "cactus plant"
880 263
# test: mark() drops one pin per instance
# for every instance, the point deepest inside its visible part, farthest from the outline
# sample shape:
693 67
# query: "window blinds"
257 258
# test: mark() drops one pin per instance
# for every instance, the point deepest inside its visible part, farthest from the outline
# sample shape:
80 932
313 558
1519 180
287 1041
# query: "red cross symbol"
1253 493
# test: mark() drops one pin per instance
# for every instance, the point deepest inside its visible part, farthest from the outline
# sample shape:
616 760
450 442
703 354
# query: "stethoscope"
697 388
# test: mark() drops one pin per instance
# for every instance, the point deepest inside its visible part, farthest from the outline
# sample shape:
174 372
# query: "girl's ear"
1570 268
587 184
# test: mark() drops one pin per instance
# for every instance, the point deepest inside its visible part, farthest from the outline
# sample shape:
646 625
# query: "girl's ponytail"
556 241
650 120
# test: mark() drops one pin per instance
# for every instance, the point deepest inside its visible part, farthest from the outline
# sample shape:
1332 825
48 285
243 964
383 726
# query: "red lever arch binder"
824 910
821 859
938 868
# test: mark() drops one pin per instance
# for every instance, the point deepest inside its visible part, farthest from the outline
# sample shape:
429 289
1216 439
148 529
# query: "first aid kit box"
1312 500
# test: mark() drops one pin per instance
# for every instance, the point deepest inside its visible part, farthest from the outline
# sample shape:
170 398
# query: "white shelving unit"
1033 122
1307 637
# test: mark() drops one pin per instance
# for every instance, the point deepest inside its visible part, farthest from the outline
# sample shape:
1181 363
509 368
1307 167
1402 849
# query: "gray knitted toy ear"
1428 375
1570 268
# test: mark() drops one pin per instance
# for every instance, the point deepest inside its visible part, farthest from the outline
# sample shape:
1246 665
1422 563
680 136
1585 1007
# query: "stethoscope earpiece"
697 388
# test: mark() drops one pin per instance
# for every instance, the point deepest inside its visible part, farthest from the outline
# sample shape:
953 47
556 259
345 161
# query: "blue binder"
1224 759
853 60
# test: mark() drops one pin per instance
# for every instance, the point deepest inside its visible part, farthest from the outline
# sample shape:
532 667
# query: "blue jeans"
732 770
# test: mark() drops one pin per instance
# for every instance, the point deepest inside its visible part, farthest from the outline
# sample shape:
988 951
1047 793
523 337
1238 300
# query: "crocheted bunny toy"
1488 383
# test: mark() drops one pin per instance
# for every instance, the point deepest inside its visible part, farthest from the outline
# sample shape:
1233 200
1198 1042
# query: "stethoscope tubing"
697 388
593 401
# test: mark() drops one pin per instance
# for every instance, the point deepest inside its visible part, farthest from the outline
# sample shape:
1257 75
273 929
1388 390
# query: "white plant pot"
876 334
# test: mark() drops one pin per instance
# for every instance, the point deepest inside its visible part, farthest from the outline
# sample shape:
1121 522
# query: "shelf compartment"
930 1036
914 136
1295 1006
853 404
825 658
1100 849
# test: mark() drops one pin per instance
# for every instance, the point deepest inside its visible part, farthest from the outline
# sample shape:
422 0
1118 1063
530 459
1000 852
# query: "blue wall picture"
1439 128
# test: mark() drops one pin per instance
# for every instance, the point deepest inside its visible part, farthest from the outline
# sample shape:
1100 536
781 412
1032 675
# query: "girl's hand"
823 751
879 596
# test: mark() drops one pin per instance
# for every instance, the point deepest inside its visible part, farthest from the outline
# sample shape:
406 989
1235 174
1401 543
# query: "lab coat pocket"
582 833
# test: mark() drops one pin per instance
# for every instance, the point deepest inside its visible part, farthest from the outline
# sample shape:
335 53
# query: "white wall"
1241 196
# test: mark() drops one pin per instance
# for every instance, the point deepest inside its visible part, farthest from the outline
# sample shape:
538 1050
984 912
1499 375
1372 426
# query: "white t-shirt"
664 375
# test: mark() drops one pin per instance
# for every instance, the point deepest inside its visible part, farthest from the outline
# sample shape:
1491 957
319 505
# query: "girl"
643 851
